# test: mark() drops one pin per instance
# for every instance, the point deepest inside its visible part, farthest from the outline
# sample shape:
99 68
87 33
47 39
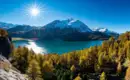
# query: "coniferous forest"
110 61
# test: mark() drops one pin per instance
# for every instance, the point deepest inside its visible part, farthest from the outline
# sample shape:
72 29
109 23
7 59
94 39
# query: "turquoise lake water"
56 46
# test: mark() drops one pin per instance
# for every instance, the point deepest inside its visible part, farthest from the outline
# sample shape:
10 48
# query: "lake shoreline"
20 39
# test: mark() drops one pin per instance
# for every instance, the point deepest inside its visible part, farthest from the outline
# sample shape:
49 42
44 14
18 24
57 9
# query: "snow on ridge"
100 29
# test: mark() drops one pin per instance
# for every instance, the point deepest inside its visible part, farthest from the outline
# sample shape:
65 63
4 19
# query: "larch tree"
78 77
127 76
119 68
73 69
103 76
34 71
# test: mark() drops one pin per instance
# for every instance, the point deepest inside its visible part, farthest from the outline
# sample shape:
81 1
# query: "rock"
5 43
8 72
11 75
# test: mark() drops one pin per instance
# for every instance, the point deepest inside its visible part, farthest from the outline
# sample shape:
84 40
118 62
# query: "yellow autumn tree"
34 71
127 76
73 69
103 76
47 67
78 77
119 68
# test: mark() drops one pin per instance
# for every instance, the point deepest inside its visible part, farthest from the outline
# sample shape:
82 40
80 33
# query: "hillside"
110 61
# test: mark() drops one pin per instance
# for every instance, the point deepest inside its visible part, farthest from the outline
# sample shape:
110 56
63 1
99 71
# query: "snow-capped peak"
69 23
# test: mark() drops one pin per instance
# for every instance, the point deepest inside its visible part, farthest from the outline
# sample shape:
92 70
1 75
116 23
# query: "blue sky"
111 14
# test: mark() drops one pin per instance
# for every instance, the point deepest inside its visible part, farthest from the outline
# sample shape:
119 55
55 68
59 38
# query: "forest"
109 61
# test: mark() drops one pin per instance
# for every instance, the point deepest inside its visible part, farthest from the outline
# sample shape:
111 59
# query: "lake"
56 46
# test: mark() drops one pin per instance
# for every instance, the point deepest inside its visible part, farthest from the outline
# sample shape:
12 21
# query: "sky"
111 14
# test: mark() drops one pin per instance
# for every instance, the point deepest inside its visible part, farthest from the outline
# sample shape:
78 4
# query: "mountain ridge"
69 23
70 30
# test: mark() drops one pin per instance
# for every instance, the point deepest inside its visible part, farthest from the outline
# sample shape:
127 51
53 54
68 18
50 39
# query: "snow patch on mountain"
100 29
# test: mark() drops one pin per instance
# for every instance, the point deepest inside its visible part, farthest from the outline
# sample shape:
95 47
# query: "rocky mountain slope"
8 72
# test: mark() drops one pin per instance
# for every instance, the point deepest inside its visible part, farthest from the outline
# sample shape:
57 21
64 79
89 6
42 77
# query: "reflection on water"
32 45
55 46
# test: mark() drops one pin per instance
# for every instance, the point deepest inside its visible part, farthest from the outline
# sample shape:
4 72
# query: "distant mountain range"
106 31
68 30
6 25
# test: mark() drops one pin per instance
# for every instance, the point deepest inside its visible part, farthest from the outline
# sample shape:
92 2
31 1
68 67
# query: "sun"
34 11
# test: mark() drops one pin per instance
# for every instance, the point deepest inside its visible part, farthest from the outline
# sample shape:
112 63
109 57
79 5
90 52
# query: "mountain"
6 25
19 30
69 23
68 30
103 30
106 31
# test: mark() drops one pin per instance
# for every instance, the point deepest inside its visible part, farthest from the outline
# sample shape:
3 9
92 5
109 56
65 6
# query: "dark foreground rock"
5 43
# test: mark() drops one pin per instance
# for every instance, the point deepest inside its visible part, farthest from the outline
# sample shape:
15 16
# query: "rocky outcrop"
8 72
5 43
